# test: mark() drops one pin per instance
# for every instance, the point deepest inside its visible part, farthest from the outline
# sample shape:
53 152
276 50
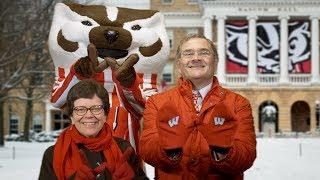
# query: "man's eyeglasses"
82 110
201 53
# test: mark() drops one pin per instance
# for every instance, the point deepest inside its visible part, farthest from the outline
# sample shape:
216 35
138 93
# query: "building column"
315 50
313 117
208 27
284 49
48 116
252 57
221 49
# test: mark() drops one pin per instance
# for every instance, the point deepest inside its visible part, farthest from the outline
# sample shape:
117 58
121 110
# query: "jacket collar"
216 93
185 87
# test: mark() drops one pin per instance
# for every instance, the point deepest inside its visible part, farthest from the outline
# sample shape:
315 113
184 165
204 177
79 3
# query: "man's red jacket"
197 161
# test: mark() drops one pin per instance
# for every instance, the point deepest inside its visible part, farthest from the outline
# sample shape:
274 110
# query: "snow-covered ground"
278 159
283 159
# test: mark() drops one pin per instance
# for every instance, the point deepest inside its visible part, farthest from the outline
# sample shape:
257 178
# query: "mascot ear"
156 20
62 11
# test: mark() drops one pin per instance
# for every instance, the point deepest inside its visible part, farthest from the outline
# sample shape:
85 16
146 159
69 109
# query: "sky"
277 159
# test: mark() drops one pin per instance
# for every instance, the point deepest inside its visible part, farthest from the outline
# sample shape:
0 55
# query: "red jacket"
197 162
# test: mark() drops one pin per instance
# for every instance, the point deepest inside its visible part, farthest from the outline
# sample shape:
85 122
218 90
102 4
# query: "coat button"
193 161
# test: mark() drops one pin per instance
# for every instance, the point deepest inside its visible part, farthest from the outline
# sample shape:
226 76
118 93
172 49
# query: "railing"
267 79
300 79
236 79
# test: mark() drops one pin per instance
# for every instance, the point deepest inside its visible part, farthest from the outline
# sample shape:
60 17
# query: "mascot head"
116 32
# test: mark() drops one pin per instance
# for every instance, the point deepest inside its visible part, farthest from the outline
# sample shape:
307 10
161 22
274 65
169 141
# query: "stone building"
268 52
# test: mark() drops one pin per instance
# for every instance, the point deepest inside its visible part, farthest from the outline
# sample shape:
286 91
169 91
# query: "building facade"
268 52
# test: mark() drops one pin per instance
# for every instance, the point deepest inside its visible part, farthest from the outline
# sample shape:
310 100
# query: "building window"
191 31
167 73
166 1
37 123
192 1
60 120
167 77
170 36
14 124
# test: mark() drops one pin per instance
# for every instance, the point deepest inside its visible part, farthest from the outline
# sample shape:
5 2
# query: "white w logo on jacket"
218 121
174 121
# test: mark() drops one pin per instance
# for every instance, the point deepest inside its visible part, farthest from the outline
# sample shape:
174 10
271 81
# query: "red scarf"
67 158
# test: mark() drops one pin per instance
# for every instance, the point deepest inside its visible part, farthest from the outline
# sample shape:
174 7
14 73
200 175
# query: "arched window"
268 116
300 116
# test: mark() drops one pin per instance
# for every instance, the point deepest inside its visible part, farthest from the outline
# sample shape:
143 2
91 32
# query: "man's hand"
219 132
172 132
125 72
89 65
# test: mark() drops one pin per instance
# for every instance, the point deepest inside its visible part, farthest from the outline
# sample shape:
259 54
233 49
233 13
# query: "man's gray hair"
192 36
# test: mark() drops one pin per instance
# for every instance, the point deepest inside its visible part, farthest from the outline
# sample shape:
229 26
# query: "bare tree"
39 74
24 57
36 85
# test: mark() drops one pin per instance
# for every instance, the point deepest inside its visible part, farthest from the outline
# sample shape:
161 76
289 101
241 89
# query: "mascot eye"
136 27
292 46
87 23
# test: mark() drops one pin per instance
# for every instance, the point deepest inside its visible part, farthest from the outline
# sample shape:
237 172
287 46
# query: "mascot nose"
111 36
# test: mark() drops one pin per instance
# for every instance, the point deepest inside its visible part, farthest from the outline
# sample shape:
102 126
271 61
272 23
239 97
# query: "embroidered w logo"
174 121
218 121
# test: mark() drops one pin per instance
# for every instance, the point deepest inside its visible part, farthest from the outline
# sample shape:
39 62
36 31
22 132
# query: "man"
198 130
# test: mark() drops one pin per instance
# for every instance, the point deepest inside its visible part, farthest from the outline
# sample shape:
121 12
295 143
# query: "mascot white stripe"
131 137
63 97
112 13
147 81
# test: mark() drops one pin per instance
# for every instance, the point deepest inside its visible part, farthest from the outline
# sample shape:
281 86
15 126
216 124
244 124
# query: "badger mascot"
123 49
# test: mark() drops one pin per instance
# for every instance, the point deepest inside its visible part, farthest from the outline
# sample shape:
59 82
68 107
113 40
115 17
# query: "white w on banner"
268 47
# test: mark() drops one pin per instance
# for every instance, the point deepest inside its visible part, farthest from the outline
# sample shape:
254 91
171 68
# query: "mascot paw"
125 72
84 67
89 65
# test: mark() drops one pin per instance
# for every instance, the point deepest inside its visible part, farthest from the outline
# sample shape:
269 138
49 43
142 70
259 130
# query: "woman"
86 149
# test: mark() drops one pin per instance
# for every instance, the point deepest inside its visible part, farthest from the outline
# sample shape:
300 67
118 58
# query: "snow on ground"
282 159
26 164
277 159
